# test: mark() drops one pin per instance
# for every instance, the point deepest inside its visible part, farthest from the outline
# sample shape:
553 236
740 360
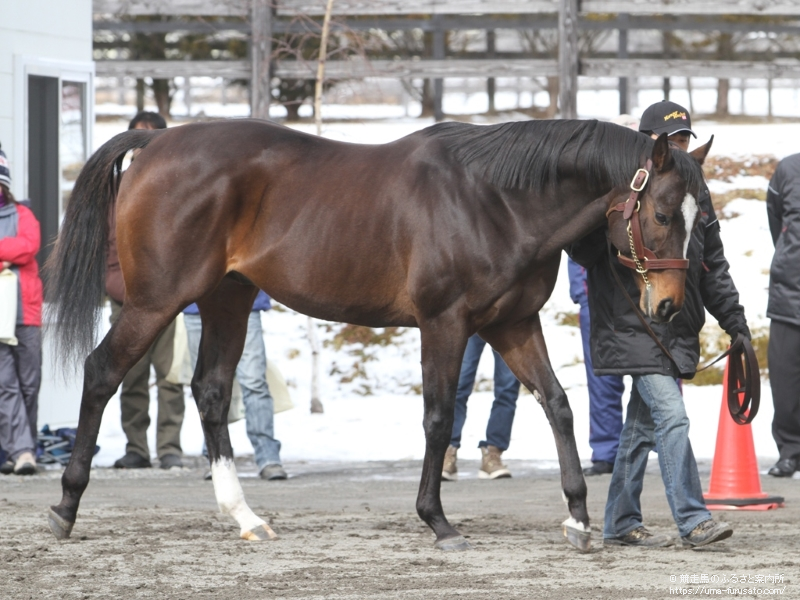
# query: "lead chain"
639 268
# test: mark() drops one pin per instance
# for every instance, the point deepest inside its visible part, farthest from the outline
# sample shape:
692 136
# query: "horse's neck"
578 218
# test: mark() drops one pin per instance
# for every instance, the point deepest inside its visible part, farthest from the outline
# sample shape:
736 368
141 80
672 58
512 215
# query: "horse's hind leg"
126 342
443 344
224 315
522 347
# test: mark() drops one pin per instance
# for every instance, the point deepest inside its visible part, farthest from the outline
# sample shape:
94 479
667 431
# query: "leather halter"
744 378
642 258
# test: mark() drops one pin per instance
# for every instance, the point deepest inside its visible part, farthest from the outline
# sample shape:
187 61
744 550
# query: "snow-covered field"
386 423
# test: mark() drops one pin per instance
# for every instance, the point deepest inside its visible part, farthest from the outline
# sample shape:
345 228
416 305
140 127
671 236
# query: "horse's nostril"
666 308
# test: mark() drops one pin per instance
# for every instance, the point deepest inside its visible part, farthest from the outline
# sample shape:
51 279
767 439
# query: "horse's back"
290 211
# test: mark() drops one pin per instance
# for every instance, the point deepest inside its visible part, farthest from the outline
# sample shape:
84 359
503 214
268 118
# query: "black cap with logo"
666 117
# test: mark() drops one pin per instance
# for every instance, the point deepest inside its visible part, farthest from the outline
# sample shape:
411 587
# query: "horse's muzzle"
666 311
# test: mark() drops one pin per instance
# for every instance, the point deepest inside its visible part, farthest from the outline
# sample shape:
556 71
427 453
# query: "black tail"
75 271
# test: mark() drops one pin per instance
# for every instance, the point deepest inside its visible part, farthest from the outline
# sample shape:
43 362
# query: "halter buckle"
644 181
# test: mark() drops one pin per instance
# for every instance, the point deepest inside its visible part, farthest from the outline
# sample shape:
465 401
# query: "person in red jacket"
20 364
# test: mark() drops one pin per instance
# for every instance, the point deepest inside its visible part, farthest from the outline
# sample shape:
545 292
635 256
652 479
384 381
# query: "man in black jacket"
656 417
783 211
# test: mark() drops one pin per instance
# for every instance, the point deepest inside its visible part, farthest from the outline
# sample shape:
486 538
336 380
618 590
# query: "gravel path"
351 531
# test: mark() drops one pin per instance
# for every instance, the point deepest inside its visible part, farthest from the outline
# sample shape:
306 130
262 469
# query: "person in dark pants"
656 417
605 391
21 355
783 308
135 393
498 429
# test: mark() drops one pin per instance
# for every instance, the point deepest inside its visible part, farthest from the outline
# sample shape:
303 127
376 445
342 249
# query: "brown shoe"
25 465
707 532
450 470
491 465
640 537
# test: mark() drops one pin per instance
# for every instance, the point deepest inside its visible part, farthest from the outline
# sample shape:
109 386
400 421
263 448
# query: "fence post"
438 54
568 58
187 95
622 53
261 50
667 87
769 99
490 53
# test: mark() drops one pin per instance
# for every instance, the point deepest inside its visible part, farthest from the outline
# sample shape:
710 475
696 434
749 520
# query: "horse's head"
653 227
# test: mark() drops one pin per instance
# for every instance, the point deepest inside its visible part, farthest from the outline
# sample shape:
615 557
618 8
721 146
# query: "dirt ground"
350 531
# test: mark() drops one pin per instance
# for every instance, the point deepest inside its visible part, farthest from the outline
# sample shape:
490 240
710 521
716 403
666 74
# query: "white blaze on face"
689 209
230 496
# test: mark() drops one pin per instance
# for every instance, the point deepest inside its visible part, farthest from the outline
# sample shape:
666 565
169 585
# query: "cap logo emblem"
675 115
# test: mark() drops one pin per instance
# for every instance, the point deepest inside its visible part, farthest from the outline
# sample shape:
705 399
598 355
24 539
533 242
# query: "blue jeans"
656 418
506 391
252 374
605 399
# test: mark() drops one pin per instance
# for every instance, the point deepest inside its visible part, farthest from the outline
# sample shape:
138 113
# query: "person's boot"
491 465
170 461
640 536
26 464
450 470
784 468
131 460
274 472
7 468
707 532
599 467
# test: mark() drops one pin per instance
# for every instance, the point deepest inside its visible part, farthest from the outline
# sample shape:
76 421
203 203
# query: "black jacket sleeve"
775 204
717 289
589 250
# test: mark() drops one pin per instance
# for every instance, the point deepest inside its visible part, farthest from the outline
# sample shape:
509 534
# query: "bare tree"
302 43
316 403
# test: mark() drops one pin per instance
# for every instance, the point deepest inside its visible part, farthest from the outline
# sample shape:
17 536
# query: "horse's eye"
662 219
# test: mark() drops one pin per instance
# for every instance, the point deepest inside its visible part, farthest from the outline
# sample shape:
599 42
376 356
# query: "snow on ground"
386 425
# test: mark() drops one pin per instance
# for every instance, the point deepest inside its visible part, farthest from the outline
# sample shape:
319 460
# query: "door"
54 114
43 157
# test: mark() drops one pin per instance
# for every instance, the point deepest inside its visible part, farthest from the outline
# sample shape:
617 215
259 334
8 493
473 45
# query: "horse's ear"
662 155
699 154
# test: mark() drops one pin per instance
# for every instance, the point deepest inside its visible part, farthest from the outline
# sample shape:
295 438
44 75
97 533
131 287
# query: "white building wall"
47 29
41 31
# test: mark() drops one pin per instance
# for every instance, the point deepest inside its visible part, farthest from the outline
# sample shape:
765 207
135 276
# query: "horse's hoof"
454 544
262 533
577 535
60 527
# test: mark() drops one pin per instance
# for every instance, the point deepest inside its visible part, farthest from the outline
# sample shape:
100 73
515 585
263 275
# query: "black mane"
526 154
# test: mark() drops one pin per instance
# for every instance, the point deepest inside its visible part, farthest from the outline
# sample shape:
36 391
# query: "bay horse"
454 229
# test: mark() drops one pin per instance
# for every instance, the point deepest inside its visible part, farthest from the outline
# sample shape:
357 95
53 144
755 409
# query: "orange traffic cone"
735 484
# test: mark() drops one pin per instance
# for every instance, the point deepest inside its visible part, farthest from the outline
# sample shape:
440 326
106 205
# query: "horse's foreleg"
442 351
224 315
126 342
523 348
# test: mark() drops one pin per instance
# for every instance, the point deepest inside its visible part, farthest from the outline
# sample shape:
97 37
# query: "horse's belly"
335 309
